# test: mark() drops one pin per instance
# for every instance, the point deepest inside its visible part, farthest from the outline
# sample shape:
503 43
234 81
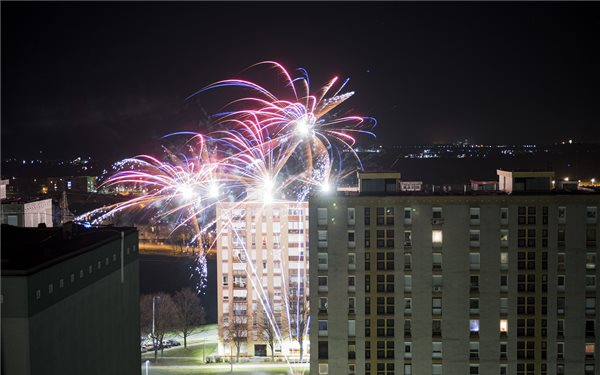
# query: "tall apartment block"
262 257
487 283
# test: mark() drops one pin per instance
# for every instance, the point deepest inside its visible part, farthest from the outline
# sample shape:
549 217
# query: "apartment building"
494 282
262 273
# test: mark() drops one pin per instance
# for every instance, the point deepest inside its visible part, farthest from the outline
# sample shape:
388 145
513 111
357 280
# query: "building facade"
27 213
454 284
70 301
263 276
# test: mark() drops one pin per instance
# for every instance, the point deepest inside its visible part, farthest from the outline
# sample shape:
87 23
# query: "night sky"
109 79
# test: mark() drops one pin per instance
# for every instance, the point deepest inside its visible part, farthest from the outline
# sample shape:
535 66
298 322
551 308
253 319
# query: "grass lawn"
241 369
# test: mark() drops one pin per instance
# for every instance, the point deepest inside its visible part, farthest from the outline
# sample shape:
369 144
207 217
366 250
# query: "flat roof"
32 249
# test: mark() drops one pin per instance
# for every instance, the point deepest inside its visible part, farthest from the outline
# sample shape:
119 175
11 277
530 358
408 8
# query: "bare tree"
157 317
235 331
189 312
266 329
299 313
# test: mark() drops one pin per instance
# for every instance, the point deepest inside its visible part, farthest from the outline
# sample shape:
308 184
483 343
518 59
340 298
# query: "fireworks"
262 149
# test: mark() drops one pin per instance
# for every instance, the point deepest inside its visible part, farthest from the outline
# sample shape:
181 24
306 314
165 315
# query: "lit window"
590 348
503 261
323 368
474 325
322 327
436 237
503 326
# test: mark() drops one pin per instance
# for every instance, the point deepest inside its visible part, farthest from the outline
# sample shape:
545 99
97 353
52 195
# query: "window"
503 261
503 283
436 369
562 215
474 306
322 327
561 239
436 212
591 215
322 238
589 369
367 239
474 326
474 215
473 369
351 216
503 350
503 305
590 330
407 369
407 215
474 237
407 328
503 326
351 328
436 237
408 350
436 327
407 238
407 283
322 304
590 305
436 261
72 277
323 367
351 283
351 261
367 216
590 236
351 369
590 261
436 283
474 262
322 261
322 283
560 261
560 305
504 237
351 242
560 283
560 350
351 305
323 350
389 216
436 306
38 294
321 216
474 283
50 288
408 305
474 350
436 349
503 369
407 262
590 348
504 215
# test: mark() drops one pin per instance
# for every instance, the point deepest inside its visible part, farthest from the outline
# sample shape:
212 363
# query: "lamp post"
154 298
147 362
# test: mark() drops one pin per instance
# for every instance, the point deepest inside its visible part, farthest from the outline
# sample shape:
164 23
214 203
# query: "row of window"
384 216
72 277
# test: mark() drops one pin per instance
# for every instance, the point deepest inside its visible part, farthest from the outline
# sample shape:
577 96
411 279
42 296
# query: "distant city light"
567 179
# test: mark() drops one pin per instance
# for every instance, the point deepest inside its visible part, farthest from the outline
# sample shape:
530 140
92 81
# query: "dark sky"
109 79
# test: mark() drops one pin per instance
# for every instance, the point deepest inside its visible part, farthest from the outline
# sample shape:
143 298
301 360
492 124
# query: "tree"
158 319
189 312
266 329
299 312
235 331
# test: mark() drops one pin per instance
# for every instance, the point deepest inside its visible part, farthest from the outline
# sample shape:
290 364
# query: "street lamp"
147 362
153 335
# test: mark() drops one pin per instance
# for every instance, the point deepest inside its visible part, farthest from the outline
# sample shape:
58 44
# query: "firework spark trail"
268 147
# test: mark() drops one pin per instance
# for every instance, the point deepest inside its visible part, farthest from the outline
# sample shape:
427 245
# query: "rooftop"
32 249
